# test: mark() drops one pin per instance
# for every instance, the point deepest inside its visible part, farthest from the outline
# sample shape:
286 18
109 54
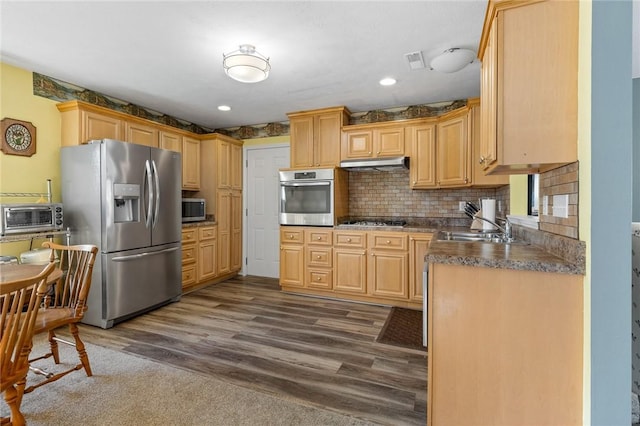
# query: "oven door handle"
316 183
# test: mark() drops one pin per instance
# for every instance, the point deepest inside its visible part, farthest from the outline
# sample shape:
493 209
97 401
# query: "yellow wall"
28 174
518 198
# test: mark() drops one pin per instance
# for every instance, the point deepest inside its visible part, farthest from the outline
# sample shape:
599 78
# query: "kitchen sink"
471 236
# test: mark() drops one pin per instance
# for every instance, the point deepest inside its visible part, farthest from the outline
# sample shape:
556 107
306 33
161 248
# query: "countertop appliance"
125 199
307 197
34 217
194 209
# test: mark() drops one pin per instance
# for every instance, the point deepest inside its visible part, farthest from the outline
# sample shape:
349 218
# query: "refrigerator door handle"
138 256
147 175
156 181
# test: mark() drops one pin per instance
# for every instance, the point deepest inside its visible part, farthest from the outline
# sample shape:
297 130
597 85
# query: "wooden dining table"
17 271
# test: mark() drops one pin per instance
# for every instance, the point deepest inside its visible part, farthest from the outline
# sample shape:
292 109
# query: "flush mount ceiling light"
387 81
452 60
224 108
246 65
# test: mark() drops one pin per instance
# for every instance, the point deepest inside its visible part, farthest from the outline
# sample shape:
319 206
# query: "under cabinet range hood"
382 164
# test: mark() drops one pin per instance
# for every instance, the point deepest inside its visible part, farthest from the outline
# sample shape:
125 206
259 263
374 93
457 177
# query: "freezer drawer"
135 281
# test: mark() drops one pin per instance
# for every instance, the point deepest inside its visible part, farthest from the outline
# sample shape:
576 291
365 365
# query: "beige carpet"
127 390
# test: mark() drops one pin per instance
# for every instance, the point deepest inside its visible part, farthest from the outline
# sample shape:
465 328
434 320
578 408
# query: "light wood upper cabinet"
170 141
315 137
422 170
141 134
452 150
82 123
373 140
529 83
190 163
478 176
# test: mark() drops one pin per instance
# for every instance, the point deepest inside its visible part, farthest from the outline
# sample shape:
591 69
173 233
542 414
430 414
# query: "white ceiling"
167 56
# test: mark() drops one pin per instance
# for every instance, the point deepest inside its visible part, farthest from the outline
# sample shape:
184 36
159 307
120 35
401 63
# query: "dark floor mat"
403 328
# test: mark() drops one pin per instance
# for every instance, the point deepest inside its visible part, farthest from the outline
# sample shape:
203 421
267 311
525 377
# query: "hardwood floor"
316 351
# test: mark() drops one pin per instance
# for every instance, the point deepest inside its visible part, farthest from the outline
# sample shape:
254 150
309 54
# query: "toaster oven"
26 218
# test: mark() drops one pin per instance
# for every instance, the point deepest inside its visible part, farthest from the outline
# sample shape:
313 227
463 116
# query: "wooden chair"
66 305
19 302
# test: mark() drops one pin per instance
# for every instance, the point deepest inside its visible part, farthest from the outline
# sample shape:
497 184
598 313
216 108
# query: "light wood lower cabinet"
189 257
379 267
207 253
505 347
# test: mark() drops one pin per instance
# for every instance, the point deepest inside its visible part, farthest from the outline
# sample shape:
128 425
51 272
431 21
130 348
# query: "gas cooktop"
394 223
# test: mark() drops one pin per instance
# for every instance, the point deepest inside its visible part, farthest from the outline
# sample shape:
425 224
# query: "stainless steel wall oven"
307 197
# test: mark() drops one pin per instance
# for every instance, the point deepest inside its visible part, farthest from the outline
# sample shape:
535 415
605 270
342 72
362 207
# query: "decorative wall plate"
18 137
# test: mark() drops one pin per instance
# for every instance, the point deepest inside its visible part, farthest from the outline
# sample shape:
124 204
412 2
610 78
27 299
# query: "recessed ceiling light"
388 81
224 108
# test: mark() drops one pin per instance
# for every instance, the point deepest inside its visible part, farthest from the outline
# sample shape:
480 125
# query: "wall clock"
18 137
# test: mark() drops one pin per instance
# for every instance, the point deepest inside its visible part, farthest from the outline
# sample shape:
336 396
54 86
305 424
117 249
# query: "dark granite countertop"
198 224
505 256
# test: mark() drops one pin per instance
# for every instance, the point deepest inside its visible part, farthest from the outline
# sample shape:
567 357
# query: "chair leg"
54 346
82 353
11 397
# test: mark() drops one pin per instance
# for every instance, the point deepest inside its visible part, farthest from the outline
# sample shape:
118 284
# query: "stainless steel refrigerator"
125 199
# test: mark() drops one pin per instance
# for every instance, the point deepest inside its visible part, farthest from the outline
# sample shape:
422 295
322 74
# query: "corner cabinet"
315 137
529 86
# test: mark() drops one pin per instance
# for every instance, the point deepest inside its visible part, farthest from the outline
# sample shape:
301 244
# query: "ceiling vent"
415 60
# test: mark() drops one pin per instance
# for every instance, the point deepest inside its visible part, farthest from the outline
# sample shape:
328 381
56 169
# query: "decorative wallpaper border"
51 88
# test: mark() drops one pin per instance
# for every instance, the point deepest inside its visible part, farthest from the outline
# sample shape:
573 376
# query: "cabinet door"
207 257
478 177
389 142
350 271
388 274
358 144
223 164
418 246
236 231
452 152
141 135
327 135
488 98
170 141
98 126
301 135
292 265
423 160
190 163
223 210
235 167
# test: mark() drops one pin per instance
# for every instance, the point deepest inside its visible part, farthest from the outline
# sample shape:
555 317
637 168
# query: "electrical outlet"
461 205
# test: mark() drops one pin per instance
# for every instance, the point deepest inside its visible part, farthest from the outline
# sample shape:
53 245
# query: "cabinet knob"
378 153
466 180
414 182
348 240
319 238
318 257
318 279
388 242
291 237
481 159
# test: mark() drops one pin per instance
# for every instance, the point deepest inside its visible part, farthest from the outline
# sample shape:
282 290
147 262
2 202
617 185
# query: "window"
533 189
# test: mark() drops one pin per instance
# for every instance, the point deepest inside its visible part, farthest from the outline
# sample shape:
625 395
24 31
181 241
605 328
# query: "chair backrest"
19 303
76 263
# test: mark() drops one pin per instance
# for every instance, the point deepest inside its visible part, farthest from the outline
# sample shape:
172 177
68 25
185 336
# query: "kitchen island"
505 335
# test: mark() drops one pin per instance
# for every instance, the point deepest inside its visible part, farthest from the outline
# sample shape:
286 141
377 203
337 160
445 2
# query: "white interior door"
263 227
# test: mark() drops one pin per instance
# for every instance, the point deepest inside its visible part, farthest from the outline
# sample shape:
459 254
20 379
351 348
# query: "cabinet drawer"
291 235
350 239
188 275
207 232
319 256
320 278
189 235
188 253
319 237
382 241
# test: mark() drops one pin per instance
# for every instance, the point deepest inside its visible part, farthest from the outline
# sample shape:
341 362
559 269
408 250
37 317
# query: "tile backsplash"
387 194
560 181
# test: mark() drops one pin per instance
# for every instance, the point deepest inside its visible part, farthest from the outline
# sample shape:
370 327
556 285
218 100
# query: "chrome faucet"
507 230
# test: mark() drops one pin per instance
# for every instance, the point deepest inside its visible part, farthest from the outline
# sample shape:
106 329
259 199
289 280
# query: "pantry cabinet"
529 86
315 137
373 140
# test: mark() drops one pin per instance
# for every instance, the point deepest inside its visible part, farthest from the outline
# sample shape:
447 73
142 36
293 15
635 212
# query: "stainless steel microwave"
26 218
194 209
